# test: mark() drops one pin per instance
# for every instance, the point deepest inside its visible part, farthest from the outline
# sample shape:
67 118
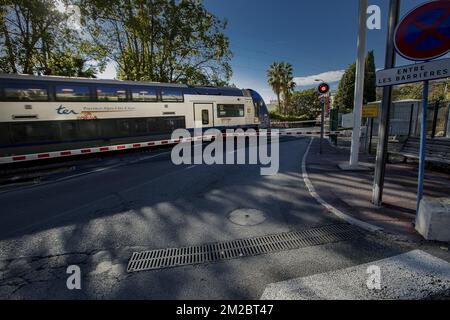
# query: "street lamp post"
322 118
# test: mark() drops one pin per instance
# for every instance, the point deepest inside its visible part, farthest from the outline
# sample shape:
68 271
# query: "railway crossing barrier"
146 144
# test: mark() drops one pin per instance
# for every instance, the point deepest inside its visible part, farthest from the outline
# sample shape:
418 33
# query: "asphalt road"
96 220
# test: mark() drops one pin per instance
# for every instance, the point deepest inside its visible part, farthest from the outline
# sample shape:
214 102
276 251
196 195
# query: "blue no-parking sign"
424 33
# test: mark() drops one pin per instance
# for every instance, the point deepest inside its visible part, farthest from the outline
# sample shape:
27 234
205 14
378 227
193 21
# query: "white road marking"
148 157
412 275
86 173
329 207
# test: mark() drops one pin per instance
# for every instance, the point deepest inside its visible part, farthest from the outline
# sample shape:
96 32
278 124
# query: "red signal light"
324 88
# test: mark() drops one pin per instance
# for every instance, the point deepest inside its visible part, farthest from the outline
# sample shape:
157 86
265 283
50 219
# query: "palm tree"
274 78
287 84
290 87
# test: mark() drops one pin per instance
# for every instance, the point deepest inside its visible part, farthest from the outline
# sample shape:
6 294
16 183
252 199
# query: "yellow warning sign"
370 111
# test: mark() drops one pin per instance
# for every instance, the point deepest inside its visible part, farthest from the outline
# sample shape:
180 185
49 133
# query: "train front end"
261 111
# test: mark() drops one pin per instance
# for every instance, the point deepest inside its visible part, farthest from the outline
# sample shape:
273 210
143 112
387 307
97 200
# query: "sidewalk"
351 192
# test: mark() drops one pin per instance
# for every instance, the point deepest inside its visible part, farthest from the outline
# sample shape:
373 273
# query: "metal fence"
405 119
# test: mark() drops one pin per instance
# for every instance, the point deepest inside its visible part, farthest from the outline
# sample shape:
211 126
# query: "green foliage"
274 78
307 104
346 87
288 85
36 39
280 78
281 117
155 40
438 90
160 40
370 89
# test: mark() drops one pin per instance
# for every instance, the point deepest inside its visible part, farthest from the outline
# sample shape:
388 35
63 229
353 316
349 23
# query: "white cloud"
329 76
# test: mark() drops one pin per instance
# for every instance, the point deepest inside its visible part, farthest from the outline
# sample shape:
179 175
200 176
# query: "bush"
274 116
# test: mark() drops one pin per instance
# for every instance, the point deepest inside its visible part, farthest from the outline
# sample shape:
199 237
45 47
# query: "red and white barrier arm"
136 145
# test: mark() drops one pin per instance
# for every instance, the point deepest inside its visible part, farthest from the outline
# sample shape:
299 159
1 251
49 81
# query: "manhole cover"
247 217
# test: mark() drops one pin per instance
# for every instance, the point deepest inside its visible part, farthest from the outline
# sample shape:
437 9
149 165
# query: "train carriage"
47 113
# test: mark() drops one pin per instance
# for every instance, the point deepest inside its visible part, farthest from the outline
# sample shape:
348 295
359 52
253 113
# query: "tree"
280 78
370 89
346 87
287 84
35 39
307 103
161 40
274 78
438 91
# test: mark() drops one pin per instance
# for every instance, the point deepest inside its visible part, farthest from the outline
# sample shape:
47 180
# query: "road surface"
96 219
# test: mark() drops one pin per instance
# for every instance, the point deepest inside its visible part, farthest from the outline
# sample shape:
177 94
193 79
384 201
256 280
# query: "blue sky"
318 37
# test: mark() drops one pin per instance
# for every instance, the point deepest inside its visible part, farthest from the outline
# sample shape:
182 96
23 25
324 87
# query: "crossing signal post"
323 90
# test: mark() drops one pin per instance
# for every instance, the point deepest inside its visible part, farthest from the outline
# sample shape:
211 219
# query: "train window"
230 110
4 134
26 93
140 126
155 125
205 117
172 95
29 132
258 105
111 94
72 93
108 128
173 123
124 127
144 94
87 129
68 130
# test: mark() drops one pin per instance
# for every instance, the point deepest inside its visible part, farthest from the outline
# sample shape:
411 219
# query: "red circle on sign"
424 33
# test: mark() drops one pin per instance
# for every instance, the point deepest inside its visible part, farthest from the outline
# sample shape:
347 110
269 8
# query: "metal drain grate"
174 257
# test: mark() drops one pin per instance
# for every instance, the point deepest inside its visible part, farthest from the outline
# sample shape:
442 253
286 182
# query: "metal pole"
322 120
410 120
359 84
366 137
371 136
435 117
337 126
383 130
423 142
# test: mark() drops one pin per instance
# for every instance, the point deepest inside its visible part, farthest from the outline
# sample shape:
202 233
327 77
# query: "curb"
329 207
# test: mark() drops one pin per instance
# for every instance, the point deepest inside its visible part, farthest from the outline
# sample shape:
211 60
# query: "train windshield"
258 102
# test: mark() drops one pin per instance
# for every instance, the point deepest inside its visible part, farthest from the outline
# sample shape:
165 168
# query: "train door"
203 115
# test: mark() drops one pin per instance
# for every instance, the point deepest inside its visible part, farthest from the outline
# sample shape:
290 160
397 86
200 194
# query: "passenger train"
48 113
